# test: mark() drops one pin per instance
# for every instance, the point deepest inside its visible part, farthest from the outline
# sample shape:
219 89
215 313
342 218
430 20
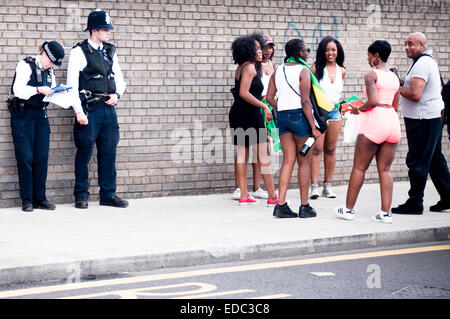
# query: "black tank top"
243 114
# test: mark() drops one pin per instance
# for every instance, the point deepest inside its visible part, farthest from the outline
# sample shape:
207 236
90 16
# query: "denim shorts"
334 115
293 121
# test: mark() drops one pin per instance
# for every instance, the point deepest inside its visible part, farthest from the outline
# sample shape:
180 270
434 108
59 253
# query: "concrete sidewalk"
192 230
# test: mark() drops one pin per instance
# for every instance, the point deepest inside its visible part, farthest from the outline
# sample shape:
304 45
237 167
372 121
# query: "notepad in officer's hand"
64 98
61 88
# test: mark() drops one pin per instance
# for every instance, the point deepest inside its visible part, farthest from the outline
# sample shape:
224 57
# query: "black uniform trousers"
31 137
425 157
102 131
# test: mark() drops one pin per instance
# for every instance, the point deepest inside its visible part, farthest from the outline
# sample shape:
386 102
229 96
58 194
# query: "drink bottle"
307 146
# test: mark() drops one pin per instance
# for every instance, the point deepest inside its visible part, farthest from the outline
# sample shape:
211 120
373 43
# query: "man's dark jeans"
425 157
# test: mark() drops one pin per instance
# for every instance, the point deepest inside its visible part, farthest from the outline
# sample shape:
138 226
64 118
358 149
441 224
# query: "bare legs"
256 173
326 143
290 145
264 165
365 151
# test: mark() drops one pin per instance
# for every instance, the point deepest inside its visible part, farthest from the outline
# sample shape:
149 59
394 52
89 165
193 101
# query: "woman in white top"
291 83
329 70
267 66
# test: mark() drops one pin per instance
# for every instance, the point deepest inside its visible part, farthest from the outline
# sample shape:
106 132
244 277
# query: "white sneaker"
314 192
260 193
344 213
237 194
328 191
382 217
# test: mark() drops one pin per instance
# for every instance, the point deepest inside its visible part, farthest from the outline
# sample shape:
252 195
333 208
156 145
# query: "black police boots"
114 201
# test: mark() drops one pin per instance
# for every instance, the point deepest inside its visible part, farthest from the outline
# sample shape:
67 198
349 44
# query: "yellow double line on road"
221 270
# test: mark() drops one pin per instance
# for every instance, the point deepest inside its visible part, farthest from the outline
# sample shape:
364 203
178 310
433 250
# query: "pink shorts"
380 124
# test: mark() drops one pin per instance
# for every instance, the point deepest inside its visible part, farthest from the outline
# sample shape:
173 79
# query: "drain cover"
423 291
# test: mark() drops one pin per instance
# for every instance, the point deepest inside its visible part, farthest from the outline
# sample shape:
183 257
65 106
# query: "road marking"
221 270
136 292
322 274
217 294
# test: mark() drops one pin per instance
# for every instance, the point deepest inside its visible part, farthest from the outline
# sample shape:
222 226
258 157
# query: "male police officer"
94 72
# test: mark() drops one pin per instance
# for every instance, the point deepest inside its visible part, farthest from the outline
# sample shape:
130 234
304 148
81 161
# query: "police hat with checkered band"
99 20
54 51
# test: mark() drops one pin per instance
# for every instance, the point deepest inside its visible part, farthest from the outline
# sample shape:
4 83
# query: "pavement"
155 233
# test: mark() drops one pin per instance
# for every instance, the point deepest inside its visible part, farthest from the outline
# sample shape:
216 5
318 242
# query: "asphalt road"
402 272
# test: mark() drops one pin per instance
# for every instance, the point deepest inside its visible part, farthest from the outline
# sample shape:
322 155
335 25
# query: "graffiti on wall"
318 34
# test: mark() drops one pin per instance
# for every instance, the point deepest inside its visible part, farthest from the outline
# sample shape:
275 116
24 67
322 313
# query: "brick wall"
177 62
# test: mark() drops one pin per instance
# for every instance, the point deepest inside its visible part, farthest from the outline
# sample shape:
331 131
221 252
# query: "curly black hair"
321 60
243 49
260 38
382 47
293 48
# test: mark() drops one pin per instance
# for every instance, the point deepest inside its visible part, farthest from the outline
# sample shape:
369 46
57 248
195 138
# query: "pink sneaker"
272 203
248 201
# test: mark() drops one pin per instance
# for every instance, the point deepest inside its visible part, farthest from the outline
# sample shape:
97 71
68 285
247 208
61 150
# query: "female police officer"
29 123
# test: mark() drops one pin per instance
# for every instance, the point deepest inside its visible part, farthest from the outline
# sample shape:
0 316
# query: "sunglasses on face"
307 50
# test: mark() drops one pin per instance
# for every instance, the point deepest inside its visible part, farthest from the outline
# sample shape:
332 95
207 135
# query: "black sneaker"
408 209
306 211
44 204
114 201
283 211
440 206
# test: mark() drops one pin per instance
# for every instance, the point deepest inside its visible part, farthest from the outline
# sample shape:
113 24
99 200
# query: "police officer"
29 123
94 72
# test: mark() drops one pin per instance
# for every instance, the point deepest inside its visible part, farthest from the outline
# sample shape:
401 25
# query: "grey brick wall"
176 59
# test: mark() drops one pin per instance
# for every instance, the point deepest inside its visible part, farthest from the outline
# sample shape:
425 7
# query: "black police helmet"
99 20
54 51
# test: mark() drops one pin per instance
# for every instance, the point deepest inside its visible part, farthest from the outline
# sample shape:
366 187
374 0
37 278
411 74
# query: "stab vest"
39 77
97 76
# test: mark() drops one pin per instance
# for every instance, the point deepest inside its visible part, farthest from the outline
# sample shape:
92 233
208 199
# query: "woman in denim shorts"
291 82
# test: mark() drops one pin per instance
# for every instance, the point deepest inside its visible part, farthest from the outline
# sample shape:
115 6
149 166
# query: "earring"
373 64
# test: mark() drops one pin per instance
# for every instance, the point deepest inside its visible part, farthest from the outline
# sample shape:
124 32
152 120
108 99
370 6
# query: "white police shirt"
23 74
77 63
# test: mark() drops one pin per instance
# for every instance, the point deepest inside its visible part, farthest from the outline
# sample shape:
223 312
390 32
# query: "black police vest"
97 76
39 77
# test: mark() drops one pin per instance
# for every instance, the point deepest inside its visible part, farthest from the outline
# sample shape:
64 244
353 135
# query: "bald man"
421 101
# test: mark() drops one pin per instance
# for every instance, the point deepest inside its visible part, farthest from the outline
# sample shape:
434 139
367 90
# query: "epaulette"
30 60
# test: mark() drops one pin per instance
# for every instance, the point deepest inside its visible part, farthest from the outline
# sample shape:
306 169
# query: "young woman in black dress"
245 117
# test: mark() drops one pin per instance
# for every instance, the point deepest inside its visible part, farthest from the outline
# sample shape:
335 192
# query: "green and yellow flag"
322 99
